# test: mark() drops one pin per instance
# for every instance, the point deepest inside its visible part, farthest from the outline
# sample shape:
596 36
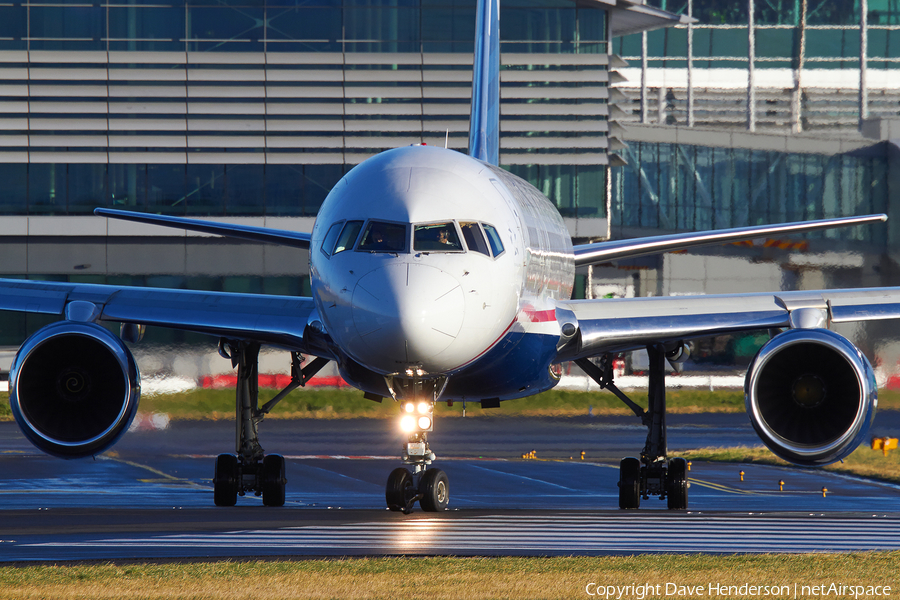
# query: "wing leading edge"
276 320
601 252
280 237
625 324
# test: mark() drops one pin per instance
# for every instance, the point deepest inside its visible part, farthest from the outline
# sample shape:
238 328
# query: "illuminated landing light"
417 418
408 423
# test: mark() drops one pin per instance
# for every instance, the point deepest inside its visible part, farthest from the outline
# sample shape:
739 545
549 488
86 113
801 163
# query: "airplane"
438 276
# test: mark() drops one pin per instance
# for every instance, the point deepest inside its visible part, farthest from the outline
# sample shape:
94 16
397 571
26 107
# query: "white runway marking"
576 534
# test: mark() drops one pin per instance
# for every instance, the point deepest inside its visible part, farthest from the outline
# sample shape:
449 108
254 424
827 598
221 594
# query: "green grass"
863 462
437 578
349 403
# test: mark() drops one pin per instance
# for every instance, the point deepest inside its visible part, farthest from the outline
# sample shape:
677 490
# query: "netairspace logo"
717 590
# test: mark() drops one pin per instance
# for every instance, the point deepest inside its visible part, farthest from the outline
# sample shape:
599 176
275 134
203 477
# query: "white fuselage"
426 262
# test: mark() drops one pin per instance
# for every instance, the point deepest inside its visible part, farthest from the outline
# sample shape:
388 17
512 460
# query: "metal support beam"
645 101
797 95
690 64
863 61
751 66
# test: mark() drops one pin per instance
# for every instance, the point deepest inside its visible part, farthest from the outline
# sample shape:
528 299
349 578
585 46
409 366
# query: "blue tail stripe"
484 120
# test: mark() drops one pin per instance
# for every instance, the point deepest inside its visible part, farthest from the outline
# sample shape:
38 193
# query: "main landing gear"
250 469
653 474
429 487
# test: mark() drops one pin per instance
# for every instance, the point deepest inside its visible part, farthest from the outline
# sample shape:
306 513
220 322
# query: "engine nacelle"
811 396
74 389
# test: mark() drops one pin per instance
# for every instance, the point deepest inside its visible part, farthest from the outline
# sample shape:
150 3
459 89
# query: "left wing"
601 252
277 320
615 325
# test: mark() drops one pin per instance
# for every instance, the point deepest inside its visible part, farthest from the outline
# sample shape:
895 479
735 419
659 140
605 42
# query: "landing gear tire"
434 490
630 483
677 484
273 480
226 480
399 489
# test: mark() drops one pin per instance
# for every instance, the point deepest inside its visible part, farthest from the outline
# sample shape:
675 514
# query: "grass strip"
336 403
411 578
863 462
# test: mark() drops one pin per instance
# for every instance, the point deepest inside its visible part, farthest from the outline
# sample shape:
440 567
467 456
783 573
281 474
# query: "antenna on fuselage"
484 118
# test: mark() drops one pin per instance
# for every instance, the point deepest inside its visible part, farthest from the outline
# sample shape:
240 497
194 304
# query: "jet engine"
74 389
811 396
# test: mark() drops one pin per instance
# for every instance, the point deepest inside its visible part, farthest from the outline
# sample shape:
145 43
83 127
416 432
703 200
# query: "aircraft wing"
280 237
614 325
276 320
602 252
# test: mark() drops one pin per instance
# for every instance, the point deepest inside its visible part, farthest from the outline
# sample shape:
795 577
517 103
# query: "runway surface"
152 497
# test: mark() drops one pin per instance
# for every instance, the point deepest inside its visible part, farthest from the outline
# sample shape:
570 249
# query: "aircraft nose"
407 314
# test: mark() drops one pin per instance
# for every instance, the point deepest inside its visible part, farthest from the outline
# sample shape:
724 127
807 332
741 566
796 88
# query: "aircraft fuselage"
428 264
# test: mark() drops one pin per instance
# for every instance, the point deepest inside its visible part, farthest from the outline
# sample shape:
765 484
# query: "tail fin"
484 120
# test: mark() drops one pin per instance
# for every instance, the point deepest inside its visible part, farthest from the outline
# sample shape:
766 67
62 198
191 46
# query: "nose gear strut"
429 487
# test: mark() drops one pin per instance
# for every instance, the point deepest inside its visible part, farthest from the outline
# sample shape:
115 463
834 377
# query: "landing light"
416 417
408 423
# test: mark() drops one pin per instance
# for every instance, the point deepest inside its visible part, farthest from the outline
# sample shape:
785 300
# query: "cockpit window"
474 238
493 239
383 237
436 237
330 237
348 236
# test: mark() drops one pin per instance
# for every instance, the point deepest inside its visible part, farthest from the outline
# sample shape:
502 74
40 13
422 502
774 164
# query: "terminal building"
634 118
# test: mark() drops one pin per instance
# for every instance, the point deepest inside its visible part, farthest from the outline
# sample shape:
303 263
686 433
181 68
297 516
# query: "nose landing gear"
429 487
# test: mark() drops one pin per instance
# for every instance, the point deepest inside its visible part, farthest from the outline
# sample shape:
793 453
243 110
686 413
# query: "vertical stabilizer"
484 120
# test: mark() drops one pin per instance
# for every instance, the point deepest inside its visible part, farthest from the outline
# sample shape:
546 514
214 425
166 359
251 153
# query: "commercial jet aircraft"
438 276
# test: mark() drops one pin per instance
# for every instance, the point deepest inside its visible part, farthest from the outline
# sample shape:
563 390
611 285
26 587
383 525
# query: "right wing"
276 320
616 325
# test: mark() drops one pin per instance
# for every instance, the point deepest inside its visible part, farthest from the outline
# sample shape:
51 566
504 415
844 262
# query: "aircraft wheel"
399 489
677 484
273 481
630 483
225 480
435 491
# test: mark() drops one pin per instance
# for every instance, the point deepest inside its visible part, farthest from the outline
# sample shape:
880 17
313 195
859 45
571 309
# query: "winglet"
243 232
484 119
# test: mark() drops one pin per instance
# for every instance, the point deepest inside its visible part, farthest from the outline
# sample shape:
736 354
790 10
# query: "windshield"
384 237
437 237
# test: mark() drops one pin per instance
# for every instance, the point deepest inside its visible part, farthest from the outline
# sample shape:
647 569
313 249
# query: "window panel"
383 237
87 187
166 189
13 200
348 236
436 237
47 189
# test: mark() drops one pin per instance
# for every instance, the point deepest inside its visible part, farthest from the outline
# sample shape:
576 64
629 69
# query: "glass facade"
686 187
720 36
239 107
